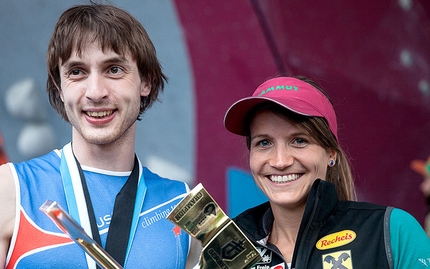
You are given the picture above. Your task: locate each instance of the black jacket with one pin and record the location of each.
(333, 234)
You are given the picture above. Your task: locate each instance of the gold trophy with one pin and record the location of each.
(224, 244)
(70, 227)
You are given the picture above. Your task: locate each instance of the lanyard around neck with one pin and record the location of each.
(127, 207)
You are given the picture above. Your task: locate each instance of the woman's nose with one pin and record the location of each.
(281, 158)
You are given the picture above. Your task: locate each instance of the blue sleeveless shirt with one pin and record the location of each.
(38, 243)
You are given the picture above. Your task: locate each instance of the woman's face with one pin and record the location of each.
(284, 160)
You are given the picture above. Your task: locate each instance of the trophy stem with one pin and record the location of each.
(70, 227)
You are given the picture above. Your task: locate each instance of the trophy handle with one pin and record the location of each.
(70, 227)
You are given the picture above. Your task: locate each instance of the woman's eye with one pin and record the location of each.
(300, 141)
(264, 143)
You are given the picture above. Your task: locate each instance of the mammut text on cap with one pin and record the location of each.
(292, 93)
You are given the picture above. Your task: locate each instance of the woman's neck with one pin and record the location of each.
(285, 228)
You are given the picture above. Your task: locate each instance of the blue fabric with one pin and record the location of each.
(404, 228)
(156, 244)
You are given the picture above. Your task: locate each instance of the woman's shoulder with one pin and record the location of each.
(403, 222)
(409, 243)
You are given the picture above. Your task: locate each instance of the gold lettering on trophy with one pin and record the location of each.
(188, 206)
(250, 256)
(214, 255)
(194, 225)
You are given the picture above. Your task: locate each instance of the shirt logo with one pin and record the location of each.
(337, 260)
(336, 239)
(266, 255)
(176, 230)
(266, 261)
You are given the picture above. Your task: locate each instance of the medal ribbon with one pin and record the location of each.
(127, 207)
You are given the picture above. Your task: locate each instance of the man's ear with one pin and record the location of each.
(145, 88)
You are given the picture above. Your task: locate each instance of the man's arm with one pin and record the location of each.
(7, 211)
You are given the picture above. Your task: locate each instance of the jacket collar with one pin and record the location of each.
(257, 222)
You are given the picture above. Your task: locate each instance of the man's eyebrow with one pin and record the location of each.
(112, 60)
(116, 59)
(70, 64)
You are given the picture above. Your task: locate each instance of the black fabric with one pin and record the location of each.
(122, 216)
(324, 214)
(119, 229)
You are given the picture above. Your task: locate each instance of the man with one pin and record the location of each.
(103, 73)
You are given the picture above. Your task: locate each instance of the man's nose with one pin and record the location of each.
(96, 87)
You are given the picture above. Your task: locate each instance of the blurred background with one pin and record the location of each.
(371, 57)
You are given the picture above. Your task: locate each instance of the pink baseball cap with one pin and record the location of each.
(292, 93)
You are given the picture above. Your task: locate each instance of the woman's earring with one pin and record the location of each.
(331, 163)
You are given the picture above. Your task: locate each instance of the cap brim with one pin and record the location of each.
(234, 119)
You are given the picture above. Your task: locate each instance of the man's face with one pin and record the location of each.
(101, 92)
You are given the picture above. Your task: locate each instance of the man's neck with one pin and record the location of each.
(114, 157)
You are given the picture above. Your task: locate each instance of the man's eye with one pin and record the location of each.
(75, 72)
(115, 70)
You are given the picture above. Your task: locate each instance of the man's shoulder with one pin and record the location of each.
(50, 159)
(6, 176)
(37, 171)
(154, 180)
(7, 209)
(162, 191)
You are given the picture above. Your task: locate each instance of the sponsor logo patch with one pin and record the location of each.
(278, 266)
(337, 260)
(266, 260)
(266, 255)
(336, 240)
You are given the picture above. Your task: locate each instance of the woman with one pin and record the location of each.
(311, 219)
